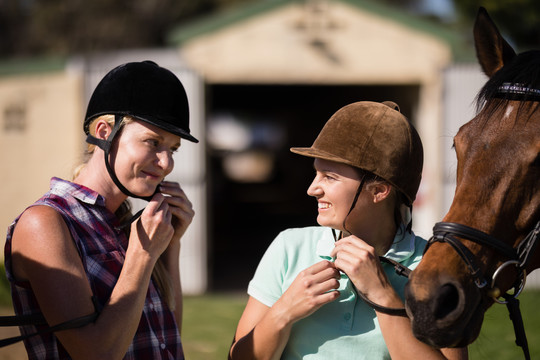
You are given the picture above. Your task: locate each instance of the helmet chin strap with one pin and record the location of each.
(106, 145)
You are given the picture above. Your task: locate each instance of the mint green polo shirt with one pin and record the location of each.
(346, 328)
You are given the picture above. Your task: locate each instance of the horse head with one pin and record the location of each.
(472, 258)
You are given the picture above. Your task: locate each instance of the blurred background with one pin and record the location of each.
(261, 76)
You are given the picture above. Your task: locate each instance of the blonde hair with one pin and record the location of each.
(160, 275)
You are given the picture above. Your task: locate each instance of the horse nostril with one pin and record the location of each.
(446, 302)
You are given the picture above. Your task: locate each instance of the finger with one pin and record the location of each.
(328, 296)
(171, 188)
(325, 286)
(154, 204)
(320, 266)
(180, 202)
(351, 244)
(327, 274)
(183, 217)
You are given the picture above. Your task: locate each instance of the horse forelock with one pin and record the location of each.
(524, 69)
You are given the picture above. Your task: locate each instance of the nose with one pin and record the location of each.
(437, 310)
(447, 304)
(165, 161)
(314, 189)
(438, 303)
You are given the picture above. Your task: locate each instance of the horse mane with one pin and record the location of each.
(524, 69)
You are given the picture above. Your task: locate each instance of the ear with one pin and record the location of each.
(103, 129)
(379, 190)
(492, 50)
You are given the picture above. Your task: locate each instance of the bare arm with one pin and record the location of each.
(183, 213)
(264, 331)
(44, 254)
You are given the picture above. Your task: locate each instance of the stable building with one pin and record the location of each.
(260, 78)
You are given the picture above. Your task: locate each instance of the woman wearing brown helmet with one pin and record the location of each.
(73, 258)
(322, 292)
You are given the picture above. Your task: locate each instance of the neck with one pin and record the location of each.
(95, 176)
(378, 229)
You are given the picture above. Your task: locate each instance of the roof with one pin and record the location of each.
(33, 65)
(461, 51)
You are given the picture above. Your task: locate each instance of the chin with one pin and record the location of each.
(144, 191)
(329, 224)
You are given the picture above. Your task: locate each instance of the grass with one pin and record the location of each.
(497, 339)
(210, 322)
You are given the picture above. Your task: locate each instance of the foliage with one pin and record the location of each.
(5, 293)
(517, 20)
(62, 27)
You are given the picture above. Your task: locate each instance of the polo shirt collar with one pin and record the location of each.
(402, 247)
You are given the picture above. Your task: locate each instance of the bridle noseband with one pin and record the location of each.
(451, 233)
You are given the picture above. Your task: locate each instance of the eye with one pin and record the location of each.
(152, 142)
(330, 177)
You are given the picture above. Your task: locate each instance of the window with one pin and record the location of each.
(15, 118)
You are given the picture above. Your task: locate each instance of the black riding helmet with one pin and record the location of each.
(144, 91)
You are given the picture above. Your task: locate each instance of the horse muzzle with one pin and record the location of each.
(441, 313)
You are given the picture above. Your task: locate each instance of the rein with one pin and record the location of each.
(39, 319)
(447, 232)
(401, 270)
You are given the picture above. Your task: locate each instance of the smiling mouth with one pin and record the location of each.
(157, 176)
(322, 205)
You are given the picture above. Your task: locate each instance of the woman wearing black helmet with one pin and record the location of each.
(76, 258)
(330, 291)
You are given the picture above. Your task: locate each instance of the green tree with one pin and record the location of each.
(33, 27)
(518, 20)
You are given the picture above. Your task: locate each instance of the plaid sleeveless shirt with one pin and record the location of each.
(102, 251)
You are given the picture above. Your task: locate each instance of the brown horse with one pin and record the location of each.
(476, 254)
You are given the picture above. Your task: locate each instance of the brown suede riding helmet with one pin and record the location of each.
(374, 137)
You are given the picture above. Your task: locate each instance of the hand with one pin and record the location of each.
(311, 289)
(180, 207)
(153, 231)
(359, 261)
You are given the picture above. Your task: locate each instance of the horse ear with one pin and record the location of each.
(492, 50)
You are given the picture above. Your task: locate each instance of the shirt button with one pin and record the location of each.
(162, 346)
(347, 316)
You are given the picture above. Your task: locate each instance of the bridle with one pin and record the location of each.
(451, 233)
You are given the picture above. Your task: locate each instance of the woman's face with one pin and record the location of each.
(334, 187)
(143, 156)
